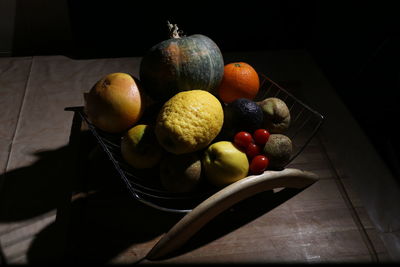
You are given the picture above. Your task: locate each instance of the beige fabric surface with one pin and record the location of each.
(34, 131)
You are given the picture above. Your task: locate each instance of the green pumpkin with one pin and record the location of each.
(181, 64)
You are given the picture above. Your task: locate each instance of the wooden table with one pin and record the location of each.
(61, 200)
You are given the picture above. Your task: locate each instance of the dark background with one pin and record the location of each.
(354, 43)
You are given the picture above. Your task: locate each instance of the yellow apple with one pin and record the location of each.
(224, 164)
(140, 148)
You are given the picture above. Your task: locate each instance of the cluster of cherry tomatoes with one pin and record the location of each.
(252, 145)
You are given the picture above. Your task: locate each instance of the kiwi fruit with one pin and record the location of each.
(278, 150)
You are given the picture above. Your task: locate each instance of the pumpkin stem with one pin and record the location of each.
(173, 30)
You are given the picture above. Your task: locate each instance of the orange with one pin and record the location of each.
(240, 80)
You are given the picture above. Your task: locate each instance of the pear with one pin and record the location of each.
(276, 115)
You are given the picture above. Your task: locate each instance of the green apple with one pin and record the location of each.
(140, 148)
(181, 173)
(224, 164)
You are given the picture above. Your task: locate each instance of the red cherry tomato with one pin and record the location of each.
(243, 140)
(258, 164)
(253, 150)
(261, 136)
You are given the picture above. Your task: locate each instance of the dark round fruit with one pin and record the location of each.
(278, 150)
(243, 115)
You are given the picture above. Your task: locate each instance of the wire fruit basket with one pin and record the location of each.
(145, 186)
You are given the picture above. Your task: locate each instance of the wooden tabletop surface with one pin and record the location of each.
(62, 201)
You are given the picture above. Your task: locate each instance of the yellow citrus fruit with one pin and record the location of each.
(189, 121)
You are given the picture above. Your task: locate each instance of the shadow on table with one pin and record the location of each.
(237, 216)
(92, 227)
(101, 228)
(102, 220)
(33, 190)
(30, 193)
(107, 222)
